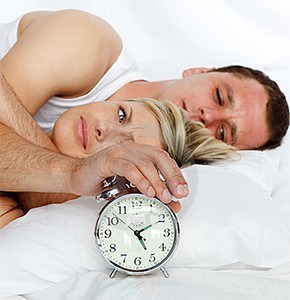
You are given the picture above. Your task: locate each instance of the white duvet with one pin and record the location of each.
(235, 224)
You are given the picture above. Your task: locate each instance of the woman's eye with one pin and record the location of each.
(222, 133)
(122, 114)
(219, 98)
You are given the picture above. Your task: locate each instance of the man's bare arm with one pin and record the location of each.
(15, 116)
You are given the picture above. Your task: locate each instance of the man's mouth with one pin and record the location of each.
(183, 105)
(192, 115)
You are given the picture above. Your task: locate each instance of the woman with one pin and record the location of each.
(85, 130)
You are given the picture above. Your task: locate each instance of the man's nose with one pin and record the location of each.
(209, 116)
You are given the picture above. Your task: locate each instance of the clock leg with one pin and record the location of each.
(165, 273)
(113, 273)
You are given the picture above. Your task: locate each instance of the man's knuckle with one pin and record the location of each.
(144, 163)
(163, 154)
(174, 179)
(159, 185)
(141, 180)
(130, 168)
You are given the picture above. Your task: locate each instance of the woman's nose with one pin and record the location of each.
(104, 131)
(101, 131)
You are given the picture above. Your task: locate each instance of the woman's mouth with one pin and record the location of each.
(83, 132)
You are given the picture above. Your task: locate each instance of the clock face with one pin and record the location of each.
(137, 234)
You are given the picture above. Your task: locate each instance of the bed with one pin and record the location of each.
(235, 223)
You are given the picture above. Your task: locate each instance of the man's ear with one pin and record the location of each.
(195, 71)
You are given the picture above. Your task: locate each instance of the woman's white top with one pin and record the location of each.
(123, 71)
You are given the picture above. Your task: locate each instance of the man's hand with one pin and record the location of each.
(138, 163)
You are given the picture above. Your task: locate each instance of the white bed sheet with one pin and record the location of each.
(198, 33)
(183, 283)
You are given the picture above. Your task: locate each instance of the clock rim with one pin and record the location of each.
(143, 271)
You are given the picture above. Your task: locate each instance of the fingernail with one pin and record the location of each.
(182, 189)
(150, 192)
(186, 190)
(167, 197)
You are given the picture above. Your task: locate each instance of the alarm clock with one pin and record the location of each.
(136, 234)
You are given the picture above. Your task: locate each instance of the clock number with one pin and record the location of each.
(108, 233)
(122, 210)
(113, 221)
(137, 261)
(152, 257)
(124, 257)
(162, 247)
(166, 232)
(161, 218)
(113, 248)
(137, 204)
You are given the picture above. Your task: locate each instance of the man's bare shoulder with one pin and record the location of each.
(78, 34)
(71, 20)
(62, 53)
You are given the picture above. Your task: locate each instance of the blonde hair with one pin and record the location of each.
(187, 142)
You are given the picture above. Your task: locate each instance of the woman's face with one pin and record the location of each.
(84, 130)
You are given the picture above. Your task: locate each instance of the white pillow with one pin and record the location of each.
(259, 166)
(228, 219)
(281, 189)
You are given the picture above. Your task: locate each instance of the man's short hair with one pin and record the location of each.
(277, 108)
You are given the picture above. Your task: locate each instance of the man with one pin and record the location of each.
(73, 58)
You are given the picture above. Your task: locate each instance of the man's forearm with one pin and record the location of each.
(27, 167)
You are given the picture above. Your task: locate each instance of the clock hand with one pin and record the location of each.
(123, 222)
(148, 226)
(145, 228)
(140, 238)
(142, 243)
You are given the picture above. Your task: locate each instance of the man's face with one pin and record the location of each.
(232, 107)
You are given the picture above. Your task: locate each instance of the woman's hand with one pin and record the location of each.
(139, 164)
